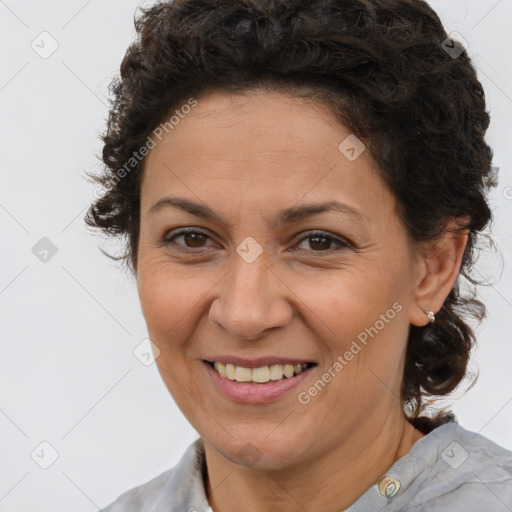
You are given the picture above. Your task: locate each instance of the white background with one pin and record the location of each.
(69, 326)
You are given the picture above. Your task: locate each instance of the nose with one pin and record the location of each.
(252, 300)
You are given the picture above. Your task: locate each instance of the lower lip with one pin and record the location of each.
(248, 393)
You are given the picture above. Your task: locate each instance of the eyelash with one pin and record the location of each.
(343, 244)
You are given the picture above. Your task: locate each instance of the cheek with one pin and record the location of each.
(359, 316)
(171, 307)
(363, 333)
(345, 304)
(167, 300)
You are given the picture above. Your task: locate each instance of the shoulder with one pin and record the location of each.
(464, 469)
(463, 451)
(449, 469)
(177, 489)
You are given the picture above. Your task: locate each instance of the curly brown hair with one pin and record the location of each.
(382, 68)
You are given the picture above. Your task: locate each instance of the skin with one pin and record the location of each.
(248, 157)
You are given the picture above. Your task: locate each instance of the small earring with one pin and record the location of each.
(431, 316)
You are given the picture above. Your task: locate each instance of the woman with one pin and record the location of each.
(301, 184)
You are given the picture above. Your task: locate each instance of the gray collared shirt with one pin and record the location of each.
(450, 469)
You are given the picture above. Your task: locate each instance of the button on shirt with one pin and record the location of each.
(450, 469)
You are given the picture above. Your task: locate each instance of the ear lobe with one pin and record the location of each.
(440, 267)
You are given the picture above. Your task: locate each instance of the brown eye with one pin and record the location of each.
(192, 239)
(322, 242)
(319, 242)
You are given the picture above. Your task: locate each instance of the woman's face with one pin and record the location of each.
(266, 281)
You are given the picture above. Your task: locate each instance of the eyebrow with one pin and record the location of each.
(286, 216)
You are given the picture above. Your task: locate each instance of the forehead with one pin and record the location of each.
(255, 124)
(261, 145)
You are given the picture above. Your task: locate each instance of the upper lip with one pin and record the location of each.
(256, 362)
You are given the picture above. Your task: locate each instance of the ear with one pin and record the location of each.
(438, 268)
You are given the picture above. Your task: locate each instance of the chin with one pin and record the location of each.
(261, 452)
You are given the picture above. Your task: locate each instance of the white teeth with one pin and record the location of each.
(259, 375)
(289, 370)
(230, 371)
(242, 374)
(221, 368)
(276, 372)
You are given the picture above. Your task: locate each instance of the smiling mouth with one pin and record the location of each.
(260, 375)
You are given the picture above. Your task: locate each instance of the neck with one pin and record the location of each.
(332, 481)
